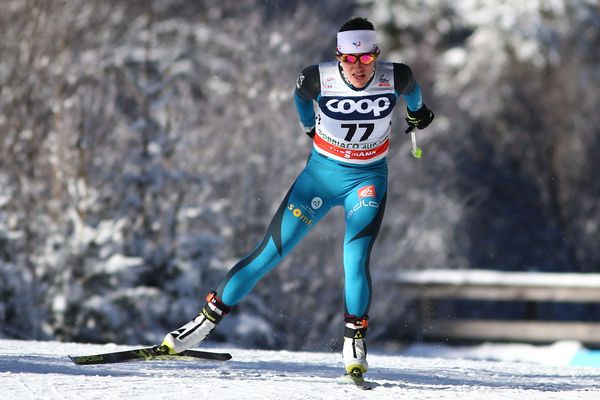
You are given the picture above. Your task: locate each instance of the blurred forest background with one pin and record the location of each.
(145, 145)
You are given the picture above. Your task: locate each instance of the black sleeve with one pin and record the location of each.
(404, 83)
(309, 83)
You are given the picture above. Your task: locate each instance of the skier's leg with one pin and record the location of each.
(364, 209)
(364, 212)
(299, 211)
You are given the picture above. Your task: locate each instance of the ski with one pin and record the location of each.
(356, 377)
(146, 354)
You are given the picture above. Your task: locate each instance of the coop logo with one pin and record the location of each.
(347, 108)
(296, 212)
(363, 106)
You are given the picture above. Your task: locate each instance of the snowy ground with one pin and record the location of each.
(41, 370)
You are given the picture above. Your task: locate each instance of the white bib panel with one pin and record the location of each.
(354, 126)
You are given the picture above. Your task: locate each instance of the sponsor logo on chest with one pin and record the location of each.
(357, 108)
(383, 81)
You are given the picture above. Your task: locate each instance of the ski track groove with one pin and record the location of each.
(31, 394)
(36, 389)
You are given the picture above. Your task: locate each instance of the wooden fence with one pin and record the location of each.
(427, 286)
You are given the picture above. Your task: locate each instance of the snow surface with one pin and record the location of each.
(41, 370)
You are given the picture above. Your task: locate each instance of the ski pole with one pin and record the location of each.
(416, 150)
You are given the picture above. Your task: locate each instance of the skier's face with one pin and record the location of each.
(358, 68)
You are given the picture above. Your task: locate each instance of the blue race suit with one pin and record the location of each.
(347, 167)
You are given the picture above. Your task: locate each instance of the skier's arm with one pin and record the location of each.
(308, 88)
(417, 113)
(406, 86)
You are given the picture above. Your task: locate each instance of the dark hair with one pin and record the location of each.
(357, 24)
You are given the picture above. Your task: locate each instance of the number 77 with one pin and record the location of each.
(352, 130)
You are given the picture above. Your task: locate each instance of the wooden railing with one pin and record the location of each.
(428, 286)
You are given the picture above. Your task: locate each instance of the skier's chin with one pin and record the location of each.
(359, 80)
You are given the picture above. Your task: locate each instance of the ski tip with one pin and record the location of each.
(76, 360)
(87, 360)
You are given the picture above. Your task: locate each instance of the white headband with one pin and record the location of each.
(356, 42)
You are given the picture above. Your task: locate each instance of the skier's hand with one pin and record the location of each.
(419, 119)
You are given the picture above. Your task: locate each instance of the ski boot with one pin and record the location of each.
(355, 346)
(195, 331)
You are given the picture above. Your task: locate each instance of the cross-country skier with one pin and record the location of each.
(350, 131)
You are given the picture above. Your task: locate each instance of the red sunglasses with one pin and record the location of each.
(365, 59)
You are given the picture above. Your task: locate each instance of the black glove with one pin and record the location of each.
(419, 119)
